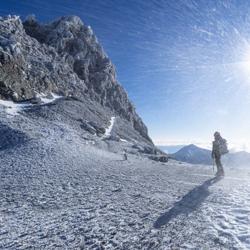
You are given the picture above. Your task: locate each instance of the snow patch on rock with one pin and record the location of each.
(45, 99)
(109, 129)
(123, 140)
(13, 108)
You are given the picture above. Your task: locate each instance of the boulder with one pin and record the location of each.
(159, 158)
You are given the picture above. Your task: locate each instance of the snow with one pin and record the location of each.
(123, 140)
(109, 129)
(59, 192)
(11, 17)
(45, 99)
(13, 108)
(232, 214)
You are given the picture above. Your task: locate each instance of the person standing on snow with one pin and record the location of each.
(219, 149)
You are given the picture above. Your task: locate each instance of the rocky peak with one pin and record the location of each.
(63, 57)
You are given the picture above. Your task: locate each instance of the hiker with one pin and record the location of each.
(125, 156)
(219, 149)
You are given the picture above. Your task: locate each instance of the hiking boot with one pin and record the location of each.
(220, 173)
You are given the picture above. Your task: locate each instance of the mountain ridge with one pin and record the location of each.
(61, 57)
(193, 154)
(196, 155)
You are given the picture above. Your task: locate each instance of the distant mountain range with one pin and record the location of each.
(196, 155)
(171, 149)
(193, 154)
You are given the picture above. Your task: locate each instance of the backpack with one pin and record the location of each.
(223, 146)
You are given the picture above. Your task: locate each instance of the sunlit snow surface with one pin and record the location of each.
(58, 191)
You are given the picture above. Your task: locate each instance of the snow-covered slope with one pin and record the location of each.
(62, 188)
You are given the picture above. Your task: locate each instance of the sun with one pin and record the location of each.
(246, 67)
(245, 64)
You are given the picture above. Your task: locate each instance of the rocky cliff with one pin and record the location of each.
(62, 57)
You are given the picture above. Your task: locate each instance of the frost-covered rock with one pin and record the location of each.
(160, 158)
(63, 57)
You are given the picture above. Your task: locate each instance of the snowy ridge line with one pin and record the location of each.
(13, 108)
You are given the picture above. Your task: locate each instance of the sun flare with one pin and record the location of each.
(245, 64)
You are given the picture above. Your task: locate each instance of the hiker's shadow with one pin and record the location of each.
(190, 202)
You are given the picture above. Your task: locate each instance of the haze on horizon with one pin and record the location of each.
(184, 64)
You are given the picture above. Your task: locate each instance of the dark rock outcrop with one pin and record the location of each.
(63, 57)
(160, 158)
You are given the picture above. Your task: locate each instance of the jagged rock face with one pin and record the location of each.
(63, 57)
(28, 66)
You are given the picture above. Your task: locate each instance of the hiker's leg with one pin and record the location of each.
(219, 165)
(217, 162)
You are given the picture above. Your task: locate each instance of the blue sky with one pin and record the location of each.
(184, 64)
